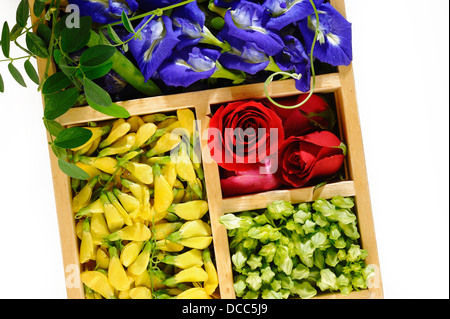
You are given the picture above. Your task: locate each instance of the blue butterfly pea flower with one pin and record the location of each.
(334, 44)
(190, 21)
(157, 44)
(285, 12)
(244, 56)
(105, 11)
(293, 57)
(247, 22)
(188, 66)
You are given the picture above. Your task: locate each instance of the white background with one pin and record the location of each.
(401, 61)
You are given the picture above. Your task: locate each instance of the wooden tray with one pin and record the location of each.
(341, 84)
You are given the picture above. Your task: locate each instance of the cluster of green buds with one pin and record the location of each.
(285, 251)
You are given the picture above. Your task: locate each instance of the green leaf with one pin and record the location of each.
(16, 74)
(114, 110)
(22, 13)
(72, 170)
(2, 85)
(5, 40)
(97, 55)
(36, 45)
(127, 23)
(53, 127)
(59, 103)
(57, 54)
(16, 31)
(95, 72)
(96, 94)
(67, 69)
(113, 35)
(59, 152)
(60, 25)
(73, 137)
(31, 71)
(45, 33)
(38, 8)
(55, 83)
(73, 39)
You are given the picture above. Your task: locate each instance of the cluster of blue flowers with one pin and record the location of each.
(270, 35)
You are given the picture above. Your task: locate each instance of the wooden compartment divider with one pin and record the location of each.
(341, 84)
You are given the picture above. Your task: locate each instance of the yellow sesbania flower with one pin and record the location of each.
(194, 293)
(87, 244)
(163, 191)
(98, 282)
(116, 273)
(82, 199)
(130, 252)
(141, 262)
(185, 260)
(212, 282)
(190, 210)
(114, 219)
(118, 130)
(193, 274)
(135, 232)
(140, 293)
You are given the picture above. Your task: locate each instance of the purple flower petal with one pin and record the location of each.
(334, 44)
(189, 20)
(188, 66)
(105, 11)
(294, 57)
(157, 44)
(244, 56)
(285, 12)
(247, 22)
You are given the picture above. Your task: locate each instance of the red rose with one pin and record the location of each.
(243, 134)
(252, 181)
(304, 158)
(294, 120)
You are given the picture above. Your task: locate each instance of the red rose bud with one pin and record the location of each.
(261, 179)
(243, 134)
(305, 158)
(296, 122)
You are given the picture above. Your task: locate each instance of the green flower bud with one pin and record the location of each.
(304, 290)
(300, 272)
(280, 209)
(239, 285)
(254, 280)
(342, 202)
(254, 262)
(268, 251)
(270, 294)
(267, 275)
(327, 281)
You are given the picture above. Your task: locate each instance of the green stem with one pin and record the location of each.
(154, 12)
(51, 45)
(298, 76)
(137, 32)
(22, 48)
(20, 58)
(272, 66)
(209, 38)
(223, 73)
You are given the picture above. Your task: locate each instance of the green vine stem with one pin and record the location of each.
(294, 75)
(157, 12)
